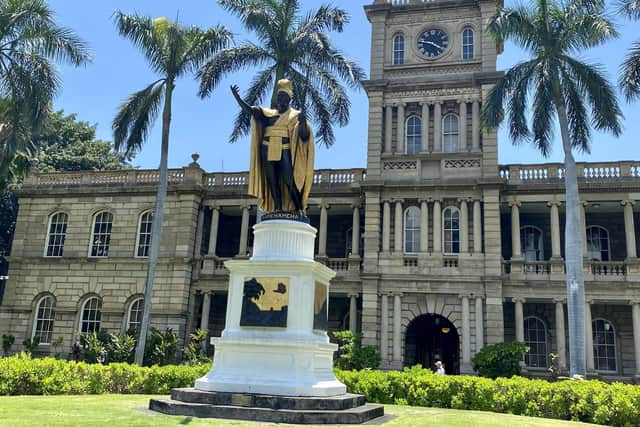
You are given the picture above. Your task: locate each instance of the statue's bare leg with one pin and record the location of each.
(270, 169)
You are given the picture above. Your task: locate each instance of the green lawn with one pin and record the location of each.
(127, 410)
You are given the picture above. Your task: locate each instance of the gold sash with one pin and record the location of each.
(276, 132)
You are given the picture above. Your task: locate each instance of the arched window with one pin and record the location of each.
(101, 234)
(91, 314)
(532, 248)
(56, 233)
(412, 230)
(413, 135)
(604, 345)
(450, 133)
(535, 335)
(398, 50)
(134, 317)
(598, 243)
(43, 322)
(143, 242)
(451, 230)
(467, 43)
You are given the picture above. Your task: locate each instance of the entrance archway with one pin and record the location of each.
(430, 338)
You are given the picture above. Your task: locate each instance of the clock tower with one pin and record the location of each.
(432, 194)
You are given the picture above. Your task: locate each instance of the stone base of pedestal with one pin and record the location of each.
(343, 409)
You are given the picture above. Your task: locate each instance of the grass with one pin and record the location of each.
(126, 410)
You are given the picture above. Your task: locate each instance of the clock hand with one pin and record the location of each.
(435, 44)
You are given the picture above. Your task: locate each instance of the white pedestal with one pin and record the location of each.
(291, 360)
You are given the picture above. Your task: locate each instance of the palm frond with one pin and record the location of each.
(229, 61)
(630, 8)
(325, 18)
(254, 16)
(629, 80)
(516, 24)
(135, 117)
(605, 111)
(585, 25)
(577, 116)
(140, 30)
(203, 45)
(543, 111)
(320, 113)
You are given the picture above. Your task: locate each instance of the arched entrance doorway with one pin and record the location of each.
(430, 338)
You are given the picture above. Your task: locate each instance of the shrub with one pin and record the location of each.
(160, 348)
(7, 342)
(196, 352)
(351, 354)
(500, 360)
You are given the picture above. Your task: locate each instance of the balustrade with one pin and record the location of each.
(590, 172)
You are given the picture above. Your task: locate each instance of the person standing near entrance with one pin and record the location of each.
(439, 368)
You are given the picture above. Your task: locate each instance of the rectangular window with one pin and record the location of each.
(57, 234)
(398, 50)
(101, 236)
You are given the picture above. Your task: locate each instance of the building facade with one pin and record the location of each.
(438, 249)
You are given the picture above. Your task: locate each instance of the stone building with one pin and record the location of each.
(438, 249)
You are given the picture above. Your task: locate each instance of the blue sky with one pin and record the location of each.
(95, 91)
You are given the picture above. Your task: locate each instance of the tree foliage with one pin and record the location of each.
(292, 45)
(630, 69)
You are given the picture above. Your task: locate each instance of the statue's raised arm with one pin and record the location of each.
(282, 151)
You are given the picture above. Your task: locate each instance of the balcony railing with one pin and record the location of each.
(589, 172)
(593, 269)
(607, 268)
(406, 2)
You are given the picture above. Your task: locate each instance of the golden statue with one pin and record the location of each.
(282, 149)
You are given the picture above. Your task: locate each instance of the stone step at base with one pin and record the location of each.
(335, 403)
(357, 415)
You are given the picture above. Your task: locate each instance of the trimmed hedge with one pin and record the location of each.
(23, 375)
(589, 401)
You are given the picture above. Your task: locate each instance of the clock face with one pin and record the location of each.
(432, 43)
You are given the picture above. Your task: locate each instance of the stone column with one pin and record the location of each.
(479, 324)
(588, 342)
(398, 229)
(388, 128)
(397, 319)
(555, 230)
(213, 237)
(384, 328)
(560, 334)
(322, 233)
(197, 250)
(386, 226)
(244, 231)
(206, 306)
(635, 312)
(475, 126)
(629, 228)
(519, 319)
(425, 127)
(400, 130)
(424, 226)
(437, 127)
(466, 335)
(583, 225)
(437, 227)
(463, 125)
(477, 227)
(464, 227)
(355, 231)
(353, 312)
(516, 249)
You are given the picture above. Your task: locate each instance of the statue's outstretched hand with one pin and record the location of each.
(235, 90)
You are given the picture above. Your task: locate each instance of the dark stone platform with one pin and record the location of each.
(343, 409)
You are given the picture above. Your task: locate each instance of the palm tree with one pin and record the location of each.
(557, 83)
(630, 69)
(172, 51)
(30, 45)
(294, 46)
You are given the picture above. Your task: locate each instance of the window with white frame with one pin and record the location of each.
(450, 133)
(598, 243)
(413, 135)
(144, 234)
(451, 230)
(101, 234)
(532, 248)
(412, 230)
(535, 336)
(91, 314)
(56, 234)
(43, 322)
(467, 43)
(604, 345)
(398, 50)
(134, 317)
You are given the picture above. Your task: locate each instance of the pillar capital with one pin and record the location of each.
(628, 202)
(515, 203)
(634, 302)
(356, 205)
(554, 203)
(465, 296)
(398, 200)
(521, 300)
(324, 205)
(559, 300)
(353, 294)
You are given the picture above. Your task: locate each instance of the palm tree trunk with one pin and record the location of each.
(573, 251)
(156, 230)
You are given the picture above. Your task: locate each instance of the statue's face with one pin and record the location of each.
(282, 102)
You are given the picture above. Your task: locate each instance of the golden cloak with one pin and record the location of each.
(301, 156)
